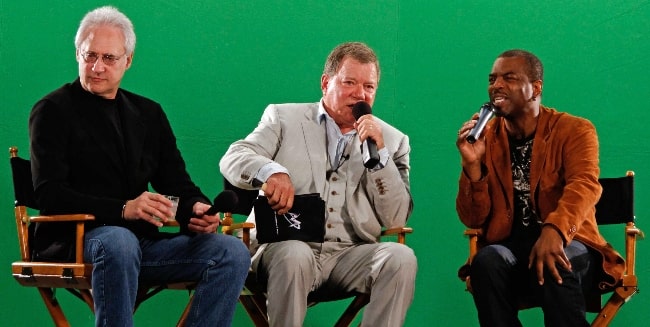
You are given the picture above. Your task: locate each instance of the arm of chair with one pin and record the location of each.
(399, 231)
(463, 273)
(79, 219)
(473, 234)
(229, 227)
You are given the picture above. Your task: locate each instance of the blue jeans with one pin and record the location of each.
(121, 262)
(501, 281)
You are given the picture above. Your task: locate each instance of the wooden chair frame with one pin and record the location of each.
(74, 277)
(627, 286)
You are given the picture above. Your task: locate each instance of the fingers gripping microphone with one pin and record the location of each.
(486, 113)
(369, 147)
(226, 201)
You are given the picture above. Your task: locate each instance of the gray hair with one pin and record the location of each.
(107, 16)
(357, 50)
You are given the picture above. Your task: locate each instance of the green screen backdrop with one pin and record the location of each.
(214, 65)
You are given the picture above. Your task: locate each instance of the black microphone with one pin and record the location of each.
(369, 146)
(226, 201)
(486, 113)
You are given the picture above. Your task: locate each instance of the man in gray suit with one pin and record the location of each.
(315, 148)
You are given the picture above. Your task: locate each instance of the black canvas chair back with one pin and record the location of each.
(616, 205)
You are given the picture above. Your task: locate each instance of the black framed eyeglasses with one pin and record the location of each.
(108, 59)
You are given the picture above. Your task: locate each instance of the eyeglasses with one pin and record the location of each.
(108, 59)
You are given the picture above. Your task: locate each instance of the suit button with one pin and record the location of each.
(330, 209)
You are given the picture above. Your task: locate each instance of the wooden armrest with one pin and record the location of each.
(473, 232)
(61, 218)
(79, 219)
(399, 231)
(473, 235)
(230, 227)
(396, 231)
(244, 225)
(171, 223)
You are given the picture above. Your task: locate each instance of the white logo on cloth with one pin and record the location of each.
(291, 218)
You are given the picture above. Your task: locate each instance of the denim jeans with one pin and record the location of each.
(121, 262)
(501, 280)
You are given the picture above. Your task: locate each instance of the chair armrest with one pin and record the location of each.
(473, 234)
(79, 219)
(171, 223)
(399, 231)
(61, 218)
(228, 227)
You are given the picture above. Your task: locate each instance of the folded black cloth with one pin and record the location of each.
(304, 222)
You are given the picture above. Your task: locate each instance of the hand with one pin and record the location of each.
(367, 127)
(279, 191)
(471, 154)
(146, 206)
(548, 252)
(203, 224)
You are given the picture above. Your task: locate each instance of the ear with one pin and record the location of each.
(537, 88)
(129, 60)
(324, 82)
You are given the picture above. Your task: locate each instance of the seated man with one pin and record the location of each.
(530, 181)
(315, 148)
(96, 148)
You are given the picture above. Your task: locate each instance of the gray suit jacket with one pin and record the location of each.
(291, 135)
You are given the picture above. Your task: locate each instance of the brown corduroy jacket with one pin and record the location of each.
(564, 186)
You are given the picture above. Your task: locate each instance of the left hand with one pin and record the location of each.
(204, 224)
(367, 127)
(548, 252)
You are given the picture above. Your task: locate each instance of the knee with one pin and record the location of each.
(227, 250)
(400, 259)
(113, 243)
(292, 256)
(491, 257)
(239, 254)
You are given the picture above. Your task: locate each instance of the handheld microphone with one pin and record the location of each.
(226, 201)
(369, 147)
(486, 113)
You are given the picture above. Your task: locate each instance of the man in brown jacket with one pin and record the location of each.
(530, 181)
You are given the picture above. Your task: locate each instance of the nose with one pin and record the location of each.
(99, 65)
(498, 82)
(359, 92)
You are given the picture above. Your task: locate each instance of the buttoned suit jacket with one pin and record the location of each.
(564, 185)
(291, 135)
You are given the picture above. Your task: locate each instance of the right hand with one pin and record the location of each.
(279, 191)
(146, 206)
(471, 154)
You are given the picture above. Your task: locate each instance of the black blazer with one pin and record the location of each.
(81, 165)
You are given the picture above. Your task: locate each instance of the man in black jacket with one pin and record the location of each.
(96, 148)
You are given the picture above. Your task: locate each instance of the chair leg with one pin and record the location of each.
(352, 310)
(183, 319)
(88, 298)
(619, 297)
(53, 307)
(255, 306)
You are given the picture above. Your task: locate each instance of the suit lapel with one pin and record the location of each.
(538, 158)
(316, 145)
(355, 168)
